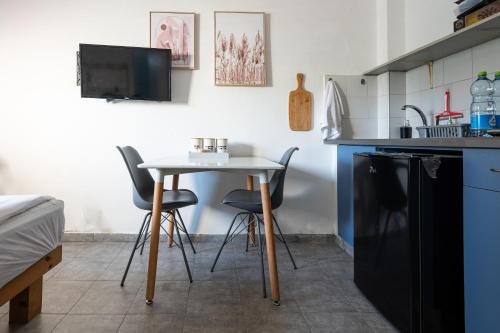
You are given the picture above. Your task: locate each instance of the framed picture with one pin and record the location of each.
(175, 31)
(239, 49)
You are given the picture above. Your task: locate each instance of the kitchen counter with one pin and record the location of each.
(493, 143)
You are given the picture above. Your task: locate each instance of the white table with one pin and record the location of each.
(250, 166)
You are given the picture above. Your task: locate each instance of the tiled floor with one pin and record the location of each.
(83, 293)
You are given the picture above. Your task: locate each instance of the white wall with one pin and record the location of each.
(396, 21)
(403, 26)
(427, 20)
(54, 142)
(390, 29)
(382, 31)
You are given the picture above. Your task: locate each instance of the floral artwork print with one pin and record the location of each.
(239, 49)
(174, 31)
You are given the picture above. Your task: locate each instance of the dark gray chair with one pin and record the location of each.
(143, 193)
(251, 204)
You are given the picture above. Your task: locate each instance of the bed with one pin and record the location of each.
(31, 230)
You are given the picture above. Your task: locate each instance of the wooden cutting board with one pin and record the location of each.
(300, 107)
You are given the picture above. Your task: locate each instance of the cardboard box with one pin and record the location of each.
(477, 16)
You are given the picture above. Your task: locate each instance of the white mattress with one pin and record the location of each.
(28, 236)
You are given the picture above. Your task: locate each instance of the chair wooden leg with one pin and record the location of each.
(171, 218)
(27, 304)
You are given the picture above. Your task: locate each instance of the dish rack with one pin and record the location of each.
(444, 131)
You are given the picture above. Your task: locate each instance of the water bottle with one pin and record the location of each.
(482, 109)
(496, 97)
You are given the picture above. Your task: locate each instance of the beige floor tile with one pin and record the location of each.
(89, 324)
(152, 323)
(61, 296)
(107, 297)
(40, 324)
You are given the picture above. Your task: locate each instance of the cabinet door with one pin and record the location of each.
(481, 260)
(482, 168)
(345, 191)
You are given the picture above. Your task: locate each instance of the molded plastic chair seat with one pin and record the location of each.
(171, 200)
(244, 199)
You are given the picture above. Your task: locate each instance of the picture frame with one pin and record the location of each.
(175, 31)
(240, 49)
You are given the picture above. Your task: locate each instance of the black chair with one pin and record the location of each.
(143, 193)
(251, 204)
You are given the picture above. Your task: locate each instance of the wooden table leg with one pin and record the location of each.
(155, 239)
(251, 224)
(270, 246)
(170, 226)
(27, 304)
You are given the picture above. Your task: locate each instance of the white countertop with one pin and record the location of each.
(233, 163)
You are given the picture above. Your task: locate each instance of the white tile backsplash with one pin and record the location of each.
(455, 73)
(394, 125)
(360, 128)
(375, 108)
(383, 106)
(427, 101)
(437, 96)
(383, 84)
(413, 81)
(414, 98)
(383, 128)
(361, 107)
(424, 77)
(397, 83)
(460, 97)
(361, 113)
(371, 81)
(457, 67)
(486, 57)
(438, 73)
(355, 88)
(395, 104)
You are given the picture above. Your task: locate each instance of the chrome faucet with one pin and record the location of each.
(421, 114)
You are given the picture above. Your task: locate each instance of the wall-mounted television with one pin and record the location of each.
(120, 72)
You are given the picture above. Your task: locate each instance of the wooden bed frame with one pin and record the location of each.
(25, 290)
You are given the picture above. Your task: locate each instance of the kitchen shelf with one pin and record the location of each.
(466, 38)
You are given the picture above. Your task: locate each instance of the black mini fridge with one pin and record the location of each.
(408, 238)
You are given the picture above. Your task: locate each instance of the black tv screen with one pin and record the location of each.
(119, 72)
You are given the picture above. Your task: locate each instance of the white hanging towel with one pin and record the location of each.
(333, 110)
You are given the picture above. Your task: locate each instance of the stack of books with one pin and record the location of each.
(473, 11)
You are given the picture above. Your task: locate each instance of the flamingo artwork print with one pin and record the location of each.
(174, 31)
(239, 49)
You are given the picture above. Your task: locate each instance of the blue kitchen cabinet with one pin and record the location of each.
(482, 168)
(481, 240)
(345, 188)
